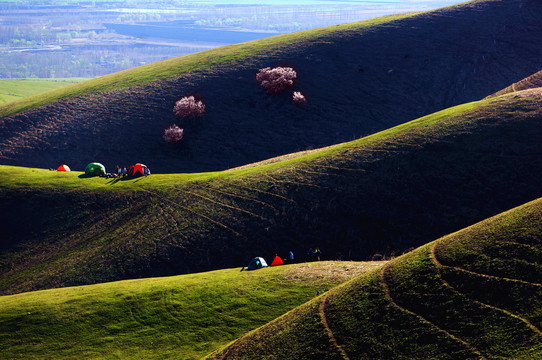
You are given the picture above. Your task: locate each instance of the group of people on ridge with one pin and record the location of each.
(313, 254)
(119, 173)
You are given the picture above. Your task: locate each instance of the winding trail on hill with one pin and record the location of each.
(322, 312)
(224, 205)
(190, 210)
(447, 284)
(388, 297)
(440, 265)
(277, 181)
(237, 185)
(246, 198)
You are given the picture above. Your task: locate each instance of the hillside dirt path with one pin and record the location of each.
(388, 297)
(322, 312)
(218, 203)
(237, 196)
(441, 266)
(191, 211)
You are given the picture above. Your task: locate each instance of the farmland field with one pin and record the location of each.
(16, 89)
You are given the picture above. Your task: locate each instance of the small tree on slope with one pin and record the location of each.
(173, 133)
(276, 80)
(189, 106)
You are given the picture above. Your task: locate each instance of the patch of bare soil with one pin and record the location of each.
(331, 270)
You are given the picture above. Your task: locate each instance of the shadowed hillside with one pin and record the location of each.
(475, 294)
(384, 193)
(359, 79)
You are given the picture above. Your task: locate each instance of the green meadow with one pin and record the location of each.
(182, 317)
(417, 171)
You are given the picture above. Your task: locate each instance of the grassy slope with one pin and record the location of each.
(11, 90)
(360, 78)
(181, 317)
(475, 293)
(389, 191)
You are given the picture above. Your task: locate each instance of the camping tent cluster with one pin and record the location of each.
(97, 169)
(259, 262)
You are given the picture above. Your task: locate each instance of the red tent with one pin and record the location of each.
(63, 167)
(138, 170)
(277, 261)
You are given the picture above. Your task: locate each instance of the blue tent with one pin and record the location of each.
(257, 263)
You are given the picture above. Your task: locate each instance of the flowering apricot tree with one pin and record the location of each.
(276, 80)
(299, 98)
(189, 106)
(173, 133)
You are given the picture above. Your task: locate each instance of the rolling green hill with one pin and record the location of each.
(181, 317)
(359, 78)
(474, 294)
(297, 180)
(384, 193)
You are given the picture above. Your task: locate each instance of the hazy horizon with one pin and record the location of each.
(87, 39)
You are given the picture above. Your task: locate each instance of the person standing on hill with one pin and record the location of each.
(310, 254)
(291, 257)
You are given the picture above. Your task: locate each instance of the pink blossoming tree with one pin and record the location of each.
(299, 98)
(276, 80)
(173, 133)
(189, 106)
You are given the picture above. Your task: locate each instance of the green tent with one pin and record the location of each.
(94, 169)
